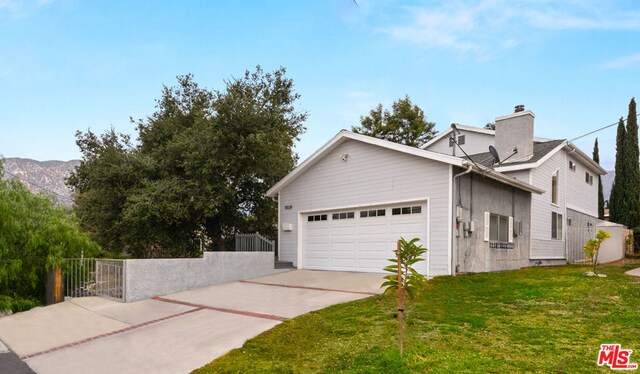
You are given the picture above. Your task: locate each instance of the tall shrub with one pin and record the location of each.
(617, 205)
(35, 235)
(596, 158)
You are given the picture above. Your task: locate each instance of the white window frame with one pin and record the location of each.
(555, 192)
(487, 227)
(558, 217)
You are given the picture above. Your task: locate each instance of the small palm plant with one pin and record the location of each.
(404, 279)
(592, 247)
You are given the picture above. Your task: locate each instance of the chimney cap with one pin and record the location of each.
(519, 108)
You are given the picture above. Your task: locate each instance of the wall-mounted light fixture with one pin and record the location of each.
(344, 157)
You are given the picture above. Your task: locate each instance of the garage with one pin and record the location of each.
(363, 238)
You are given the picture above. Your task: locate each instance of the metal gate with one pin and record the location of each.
(94, 277)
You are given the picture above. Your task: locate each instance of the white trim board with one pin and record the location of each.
(343, 207)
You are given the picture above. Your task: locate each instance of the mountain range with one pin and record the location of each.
(49, 176)
(42, 176)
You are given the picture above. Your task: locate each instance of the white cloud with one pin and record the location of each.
(487, 26)
(623, 62)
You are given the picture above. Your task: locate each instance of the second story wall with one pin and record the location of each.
(474, 142)
(582, 193)
(543, 245)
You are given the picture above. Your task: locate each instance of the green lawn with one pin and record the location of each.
(531, 320)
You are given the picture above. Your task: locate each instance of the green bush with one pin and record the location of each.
(35, 235)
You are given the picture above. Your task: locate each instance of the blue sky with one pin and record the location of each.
(69, 65)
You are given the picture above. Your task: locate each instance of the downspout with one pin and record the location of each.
(453, 186)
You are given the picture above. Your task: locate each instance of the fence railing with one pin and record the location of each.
(110, 279)
(94, 277)
(254, 243)
(79, 277)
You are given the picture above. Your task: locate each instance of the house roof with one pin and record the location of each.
(479, 130)
(540, 149)
(543, 149)
(345, 135)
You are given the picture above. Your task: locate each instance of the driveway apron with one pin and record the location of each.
(175, 333)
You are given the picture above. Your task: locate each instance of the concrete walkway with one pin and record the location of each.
(634, 272)
(174, 333)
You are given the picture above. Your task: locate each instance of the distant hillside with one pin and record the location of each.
(42, 176)
(607, 183)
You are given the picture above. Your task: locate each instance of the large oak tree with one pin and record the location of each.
(200, 168)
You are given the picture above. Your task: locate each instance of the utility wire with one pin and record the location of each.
(36, 185)
(600, 129)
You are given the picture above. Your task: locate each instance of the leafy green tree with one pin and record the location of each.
(617, 204)
(592, 247)
(490, 126)
(202, 165)
(596, 158)
(35, 236)
(108, 170)
(404, 124)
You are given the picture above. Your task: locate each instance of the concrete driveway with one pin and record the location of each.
(174, 333)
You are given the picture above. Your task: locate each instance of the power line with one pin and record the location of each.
(600, 129)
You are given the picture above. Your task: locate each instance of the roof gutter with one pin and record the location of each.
(497, 176)
(588, 159)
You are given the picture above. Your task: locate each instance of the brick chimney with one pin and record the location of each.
(515, 131)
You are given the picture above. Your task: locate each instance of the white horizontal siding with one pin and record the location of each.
(542, 245)
(521, 175)
(473, 143)
(580, 194)
(371, 175)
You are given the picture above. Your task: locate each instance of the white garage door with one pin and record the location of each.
(361, 239)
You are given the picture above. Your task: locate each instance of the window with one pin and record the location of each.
(461, 140)
(556, 225)
(588, 178)
(406, 210)
(317, 217)
(373, 213)
(572, 166)
(499, 228)
(554, 188)
(343, 215)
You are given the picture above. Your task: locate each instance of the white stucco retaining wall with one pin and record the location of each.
(147, 278)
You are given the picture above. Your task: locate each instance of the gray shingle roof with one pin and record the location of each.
(540, 149)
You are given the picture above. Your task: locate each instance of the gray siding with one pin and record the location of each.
(371, 175)
(474, 143)
(542, 246)
(581, 195)
(479, 195)
(521, 175)
(580, 228)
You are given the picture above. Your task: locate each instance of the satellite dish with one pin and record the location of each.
(455, 128)
(494, 153)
